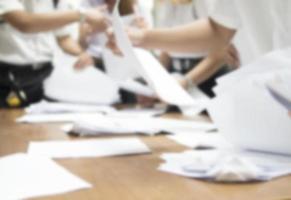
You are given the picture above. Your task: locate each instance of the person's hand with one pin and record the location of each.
(290, 113)
(146, 102)
(84, 60)
(135, 35)
(183, 82)
(232, 57)
(139, 22)
(97, 19)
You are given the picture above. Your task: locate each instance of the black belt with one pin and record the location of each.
(24, 80)
(24, 74)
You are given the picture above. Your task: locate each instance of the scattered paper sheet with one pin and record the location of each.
(200, 139)
(129, 125)
(225, 166)
(151, 70)
(25, 176)
(45, 107)
(89, 86)
(118, 67)
(88, 148)
(138, 112)
(56, 118)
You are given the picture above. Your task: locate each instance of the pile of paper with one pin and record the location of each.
(125, 125)
(24, 176)
(244, 111)
(226, 165)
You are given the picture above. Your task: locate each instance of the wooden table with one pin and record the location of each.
(132, 177)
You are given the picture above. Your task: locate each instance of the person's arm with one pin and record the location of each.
(41, 22)
(70, 46)
(165, 59)
(204, 70)
(200, 36)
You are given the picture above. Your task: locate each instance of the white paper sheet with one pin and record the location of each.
(89, 86)
(88, 148)
(45, 107)
(24, 176)
(226, 166)
(272, 62)
(247, 116)
(126, 125)
(56, 118)
(280, 89)
(138, 112)
(200, 139)
(149, 68)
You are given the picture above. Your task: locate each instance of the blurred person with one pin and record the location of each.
(194, 68)
(266, 24)
(26, 51)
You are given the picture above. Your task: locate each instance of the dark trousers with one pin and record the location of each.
(27, 82)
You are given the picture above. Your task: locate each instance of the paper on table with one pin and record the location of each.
(200, 139)
(138, 112)
(45, 107)
(89, 86)
(126, 125)
(88, 148)
(25, 176)
(136, 88)
(55, 118)
(151, 70)
(225, 166)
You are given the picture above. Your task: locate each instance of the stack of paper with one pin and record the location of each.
(25, 176)
(226, 166)
(88, 148)
(144, 125)
(245, 112)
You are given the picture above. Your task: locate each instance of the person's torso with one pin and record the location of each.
(263, 25)
(21, 48)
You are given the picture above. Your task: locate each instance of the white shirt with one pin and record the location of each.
(20, 48)
(265, 23)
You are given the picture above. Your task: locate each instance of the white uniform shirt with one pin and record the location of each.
(264, 23)
(20, 48)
